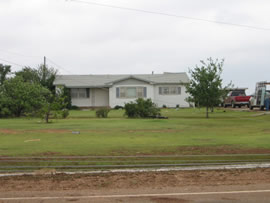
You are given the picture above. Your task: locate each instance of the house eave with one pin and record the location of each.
(130, 77)
(86, 86)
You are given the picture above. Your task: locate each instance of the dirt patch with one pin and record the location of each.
(219, 150)
(50, 131)
(9, 131)
(266, 130)
(117, 181)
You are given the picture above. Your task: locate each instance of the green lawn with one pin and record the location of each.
(185, 132)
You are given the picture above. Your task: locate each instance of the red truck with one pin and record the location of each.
(237, 97)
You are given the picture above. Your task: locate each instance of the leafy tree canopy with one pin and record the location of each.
(28, 75)
(43, 75)
(46, 77)
(19, 97)
(205, 86)
(4, 71)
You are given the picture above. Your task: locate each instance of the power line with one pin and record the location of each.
(170, 15)
(59, 66)
(10, 62)
(18, 54)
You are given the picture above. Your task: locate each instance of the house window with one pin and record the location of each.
(172, 90)
(80, 93)
(131, 92)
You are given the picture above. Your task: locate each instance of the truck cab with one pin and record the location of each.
(237, 97)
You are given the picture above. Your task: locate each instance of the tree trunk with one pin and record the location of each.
(18, 112)
(212, 109)
(207, 116)
(47, 117)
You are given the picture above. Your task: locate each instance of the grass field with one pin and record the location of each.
(185, 132)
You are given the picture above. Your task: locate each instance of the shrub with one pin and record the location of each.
(164, 106)
(177, 106)
(102, 113)
(74, 107)
(141, 108)
(118, 107)
(131, 110)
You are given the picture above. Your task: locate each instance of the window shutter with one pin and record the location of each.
(144, 92)
(160, 90)
(179, 90)
(117, 92)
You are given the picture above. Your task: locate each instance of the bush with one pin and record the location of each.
(118, 107)
(177, 106)
(102, 113)
(74, 107)
(164, 106)
(141, 109)
(131, 110)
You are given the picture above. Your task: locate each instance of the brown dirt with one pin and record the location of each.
(50, 131)
(153, 180)
(220, 150)
(196, 150)
(9, 131)
(266, 130)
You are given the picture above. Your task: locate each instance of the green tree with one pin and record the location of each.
(205, 86)
(46, 77)
(67, 97)
(54, 105)
(18, 97)
(43, 75)
(28, 74)
(4, 71)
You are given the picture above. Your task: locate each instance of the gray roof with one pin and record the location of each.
(109, 80)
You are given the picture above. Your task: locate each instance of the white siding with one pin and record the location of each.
(98, 97)
(81, 102)
(121, 101)
(107, 97)
(170, 100)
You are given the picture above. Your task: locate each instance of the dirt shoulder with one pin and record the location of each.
(153, 180)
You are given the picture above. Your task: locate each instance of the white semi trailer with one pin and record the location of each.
(258, 99)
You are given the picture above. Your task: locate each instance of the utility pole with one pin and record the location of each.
(44, 61)
(44, 69)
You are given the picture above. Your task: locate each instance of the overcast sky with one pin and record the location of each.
(90, 39)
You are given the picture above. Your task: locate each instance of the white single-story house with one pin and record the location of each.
(111, 90)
